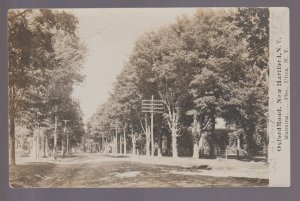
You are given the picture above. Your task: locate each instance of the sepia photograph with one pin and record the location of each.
(148, 97)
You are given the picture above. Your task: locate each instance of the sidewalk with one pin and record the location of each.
(214, 167)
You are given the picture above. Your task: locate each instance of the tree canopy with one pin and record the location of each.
(213, 65)
(45, 61)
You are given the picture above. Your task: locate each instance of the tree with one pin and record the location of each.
(223, 66)
(161, 67)
(254, 23)
(127, 100)
(141, 62)
(255, 28)
(206, 66)
(233, 82)
(33, 59)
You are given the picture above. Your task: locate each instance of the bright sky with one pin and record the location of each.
(110, 35)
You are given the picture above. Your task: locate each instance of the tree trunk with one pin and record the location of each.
(113, 145)
(62, 147)
(12, 115)
(116, 142)
(55, 137)
(116, 145)
(46, 146)
(133, 146)
(34, 153)
(68, 144)
(174, 145)
(33, 147)
(38, 143)
(125, 144)
(159, 144)
(120, 144)
(147, 133)
(84, 147)
(159, 154)
(266, 148)
(195, 136)
(196, 150)
(12, 155)
(212, 136)
(201, 148)
(250, 144)
(102, 142)
(147, 146)
(169, 145)
(173, 126)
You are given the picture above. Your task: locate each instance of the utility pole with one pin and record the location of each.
(120, 144)
(116, 125)
(152, 106)
(65, 129)
(152, 116)
(148, 138)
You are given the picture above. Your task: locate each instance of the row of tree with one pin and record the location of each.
(45, 60)
(211, 65)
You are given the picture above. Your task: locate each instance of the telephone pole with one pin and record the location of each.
(116, 125)
(152, 106)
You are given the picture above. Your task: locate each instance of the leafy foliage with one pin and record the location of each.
(211, 65)
(45, 60)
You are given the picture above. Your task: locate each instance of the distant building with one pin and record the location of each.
(226, 141)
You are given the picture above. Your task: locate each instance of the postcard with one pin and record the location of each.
(149, 97)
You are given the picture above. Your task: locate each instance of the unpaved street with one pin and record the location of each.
(97, 170)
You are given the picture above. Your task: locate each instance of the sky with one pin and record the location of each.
(110, 35)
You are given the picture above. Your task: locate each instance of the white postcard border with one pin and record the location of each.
(279, 98)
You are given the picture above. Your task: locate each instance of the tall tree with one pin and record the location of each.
(33, 57)
(204, 64)
(254, 23)
(223, 65)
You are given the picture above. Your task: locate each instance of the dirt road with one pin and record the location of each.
(93, 171)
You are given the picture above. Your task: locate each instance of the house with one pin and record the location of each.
(226, 141)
